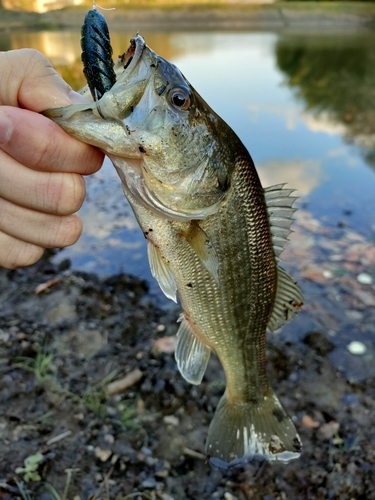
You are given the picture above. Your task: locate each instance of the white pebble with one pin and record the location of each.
(171, 420)
(364, 278)
(327, 273)
(356, 347)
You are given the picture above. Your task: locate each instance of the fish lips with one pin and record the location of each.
(117, 103)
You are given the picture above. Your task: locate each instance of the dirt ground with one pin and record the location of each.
(66, 337)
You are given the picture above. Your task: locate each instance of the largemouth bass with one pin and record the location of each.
(214, 236)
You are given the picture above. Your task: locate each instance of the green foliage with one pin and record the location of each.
(30, 469)
(132, 414)
(41, 366)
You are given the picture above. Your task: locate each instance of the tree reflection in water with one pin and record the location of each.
(335, 77)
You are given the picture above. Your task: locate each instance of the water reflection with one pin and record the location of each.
(334, 77)
(304, 107)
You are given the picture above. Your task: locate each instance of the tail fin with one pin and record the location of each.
(243, 432)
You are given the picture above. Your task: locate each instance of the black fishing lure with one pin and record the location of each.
(97, 54)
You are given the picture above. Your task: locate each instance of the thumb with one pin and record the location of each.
(29, 81)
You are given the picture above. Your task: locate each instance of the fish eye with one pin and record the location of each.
(180, 98)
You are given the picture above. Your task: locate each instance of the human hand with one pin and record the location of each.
(41, 167)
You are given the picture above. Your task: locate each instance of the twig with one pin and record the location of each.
(59, 437)
(124, 383)
(193, 454)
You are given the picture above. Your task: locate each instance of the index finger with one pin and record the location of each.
(35, 141)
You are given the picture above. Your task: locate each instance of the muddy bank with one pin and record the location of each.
(280, 16)
(66, 337)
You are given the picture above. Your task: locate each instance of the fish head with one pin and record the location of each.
(174, 154)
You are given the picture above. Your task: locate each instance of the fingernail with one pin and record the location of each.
(6, 127)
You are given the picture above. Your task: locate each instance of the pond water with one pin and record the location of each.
(304, 105)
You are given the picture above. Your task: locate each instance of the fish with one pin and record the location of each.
(214, 238)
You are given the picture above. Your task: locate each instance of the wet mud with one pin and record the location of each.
(91, 398)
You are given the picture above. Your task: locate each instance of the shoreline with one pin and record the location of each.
(278, 16)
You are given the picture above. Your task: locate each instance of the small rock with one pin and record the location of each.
(108, 438)
(364, 278)
(329, 429)
(229, 496)
(4, 336)
(171, 420)
(149, 483)
(103, 455)
(357, 348)
(146, 451)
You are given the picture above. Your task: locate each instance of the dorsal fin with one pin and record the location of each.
(280, 211)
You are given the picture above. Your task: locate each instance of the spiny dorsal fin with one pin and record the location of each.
(280, 211)
(191, 354)
(288, 302)
(162, 272)
(203, 247)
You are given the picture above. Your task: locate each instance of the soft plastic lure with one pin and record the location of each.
(97, 54)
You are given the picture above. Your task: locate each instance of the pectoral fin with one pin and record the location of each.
(288, 302)
(203, 247)
(191, 354)
(162, 272)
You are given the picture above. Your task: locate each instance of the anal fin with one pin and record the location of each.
(191, 354)
(288, 302)
(162, 272)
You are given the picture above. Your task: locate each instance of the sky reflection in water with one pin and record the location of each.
(304, 107)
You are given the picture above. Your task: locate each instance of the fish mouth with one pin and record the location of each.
(130, 58)
(129, 76)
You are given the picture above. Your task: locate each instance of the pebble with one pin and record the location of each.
(329, 429)
(364, 278)
(171, 420)
(109, 438)
(103, 455)
(4, 336)
(229, 496)
(356, 347)
(149, 483)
